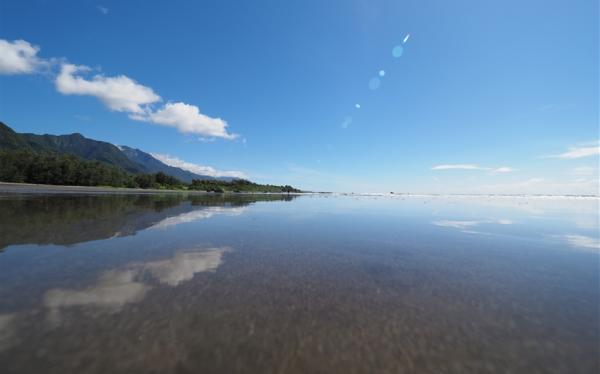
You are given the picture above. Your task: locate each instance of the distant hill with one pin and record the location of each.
(75, 144)
(154, 166)
(129, 159)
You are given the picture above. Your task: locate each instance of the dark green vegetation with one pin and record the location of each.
(73, 144)
(73, 160)
(238, 185)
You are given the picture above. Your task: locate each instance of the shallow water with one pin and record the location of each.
(308, 284)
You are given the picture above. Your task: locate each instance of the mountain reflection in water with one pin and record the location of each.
(67, 220)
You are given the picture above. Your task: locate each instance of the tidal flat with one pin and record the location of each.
(168, 283)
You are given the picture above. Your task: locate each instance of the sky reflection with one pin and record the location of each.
(116, 288)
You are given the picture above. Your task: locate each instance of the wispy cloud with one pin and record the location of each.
(583, 171)
(502, 169)
(19, 57)
(457, 167)
(195, 168)
(585, 150)
(102, 9)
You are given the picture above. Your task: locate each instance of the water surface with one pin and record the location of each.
(308, 284)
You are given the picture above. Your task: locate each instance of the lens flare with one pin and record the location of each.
(397, 51)
(374, 83)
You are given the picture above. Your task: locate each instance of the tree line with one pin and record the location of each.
(25, 166)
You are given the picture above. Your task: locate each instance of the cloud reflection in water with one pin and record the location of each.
(198, 215)
(116, 288)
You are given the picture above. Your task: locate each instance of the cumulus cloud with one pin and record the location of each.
(19, 57)
(187, 119)
(195, 168)
(123, 94)
(120, 93)
(590, 149)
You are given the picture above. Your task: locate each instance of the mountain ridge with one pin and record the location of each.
(130, 159)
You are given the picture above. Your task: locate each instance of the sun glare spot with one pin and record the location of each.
(397, 51)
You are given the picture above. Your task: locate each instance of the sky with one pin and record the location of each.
(352, 96)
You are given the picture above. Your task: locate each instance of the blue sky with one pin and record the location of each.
(487, 96)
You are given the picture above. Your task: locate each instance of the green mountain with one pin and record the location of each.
(75, 160)
(129, 159)
(75, 144)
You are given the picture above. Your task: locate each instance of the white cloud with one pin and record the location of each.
(123, 94)
(504, 169)
(458, 167)
(120, 93)
(579, 152)
(102, 9)
(195, 168)
(187, 119)
(19, 57)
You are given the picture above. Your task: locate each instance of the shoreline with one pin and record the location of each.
(27, 188)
